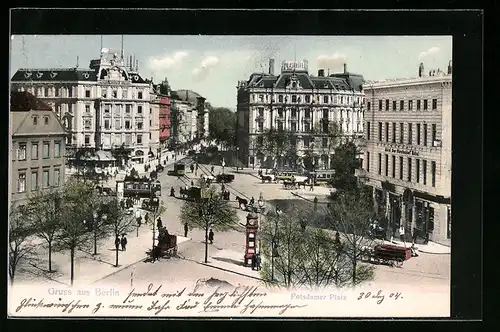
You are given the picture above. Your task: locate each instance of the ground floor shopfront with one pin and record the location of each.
(423, 215)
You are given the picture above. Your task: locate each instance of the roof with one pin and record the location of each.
(53, 74)
(344, 81)
(25, 102)
(186, 95)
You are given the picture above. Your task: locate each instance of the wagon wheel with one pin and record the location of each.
(243, 206)
(175, 250)
(398, 263)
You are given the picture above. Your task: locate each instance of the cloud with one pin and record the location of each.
(331, 61)
(430, 51)
(205, 68)
(166, 61)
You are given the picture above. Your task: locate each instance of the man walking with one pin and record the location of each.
(186, 229)
(124, 243)
(117, 243)
(211, 236)
(159, 224)
(138, 217)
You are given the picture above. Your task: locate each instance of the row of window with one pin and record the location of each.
(63, 92)
(403, 105)
(307, 126)
(421, 169)
(139, 125)
(115, 94)
(128, 139)
(45, 120)
(307, 113)
(36, 181)
(117, 109)
(307, 141)
(35, 150)
(325, 99)
(391, 132)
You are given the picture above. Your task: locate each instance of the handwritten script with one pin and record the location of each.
(155, 300)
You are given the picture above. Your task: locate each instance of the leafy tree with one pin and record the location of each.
(350, 214)
(98, 221)
(345, 162)
(222, 125)
(76, 206)
(121, 154)
(45, 215)
(211, 211)
(19, 231)
(277, 145)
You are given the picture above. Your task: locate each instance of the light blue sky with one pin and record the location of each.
(212, 65)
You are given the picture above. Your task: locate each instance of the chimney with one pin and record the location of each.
(321, 73)
(136, 65)
(271, 66)
(449, 68)
(345, 68)
(421, 70)
(130, 63)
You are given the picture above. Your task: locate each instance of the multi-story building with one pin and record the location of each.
(102, 107)
(37, 148)
(408, 152)
(189, 116)
(161, 100)
(302, 104)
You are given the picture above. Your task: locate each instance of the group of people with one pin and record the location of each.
(123, 242)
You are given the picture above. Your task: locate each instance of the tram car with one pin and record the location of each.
(143, 188)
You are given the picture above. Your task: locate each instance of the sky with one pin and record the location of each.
(213, 65)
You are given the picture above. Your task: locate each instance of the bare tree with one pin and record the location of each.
(276, 143)
(350, 214)
(97, 221)
(19, 231)
(76, 208)
(45, 215)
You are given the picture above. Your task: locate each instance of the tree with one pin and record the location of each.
(351, 214)
(19, 231)
(211, 211)
(45, 215)
(277, 143)
(222, 125)
(98, 220)
(76, 207)
(345, 162)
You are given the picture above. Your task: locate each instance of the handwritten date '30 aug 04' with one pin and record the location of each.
(379, 296)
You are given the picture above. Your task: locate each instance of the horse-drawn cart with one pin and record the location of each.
(387, 254)
(167, 245)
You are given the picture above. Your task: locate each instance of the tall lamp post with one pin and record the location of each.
(205, 212)
(274, 247)
(261, 204)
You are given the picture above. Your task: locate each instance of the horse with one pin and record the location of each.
(242, 202)
(268, 177)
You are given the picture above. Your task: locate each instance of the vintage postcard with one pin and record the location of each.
(230, 176)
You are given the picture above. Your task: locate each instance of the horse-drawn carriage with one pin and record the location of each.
(150, 204)
(167, 245)
(224, 178)
(387, 254)
(295, 182)
(191, 193)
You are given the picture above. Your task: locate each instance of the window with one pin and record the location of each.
(34, 179)
(410, 105)
(425, 104)
(139, 95)
(21, 151)
(379, 163)
(433, 173)
(401, 105)
(418, 133)
(280, 125)
(104, 93)
(261, 126)
(57, 149)
(139, 139)
(294, 113)
(128, 108)
(380, 131)
(401, 168)
(87, 108)
(387, 131)
(260, 141)
(409, 170)
(127, 124)
(379, 104)
(46, 182)
(139, 125)
(368, 106)
(57, 177)
(115, 94)
(294, 99)
(367, 161)
(118, 124)
(417, 170)
(387, 104)
(433, 133)
(386, 165)
(45, 120)
(401, 132)
(425, 134)
(293, 126)
(46, 150)
(394, 132)
(280, 98)
(325, 114)
(150, 123)
(410, 134)
(307, 141)
(87, 93)
(418, 105)
(424, 171)
(106, 124)
(324, 142)
(21, 183)
(368, 129)
(341, 99)
(35, 120)
(307, 114)
(308, 98)
(34, 151)
(434, 104)
(280, 113)
(87, 139)
(139, 109)
(87, 124)
(394, 105)
(325, 99)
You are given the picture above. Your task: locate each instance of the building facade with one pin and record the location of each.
(408, 152)
(161, 100)
(37, 148)
(301, 104)
(105, 106)
(189, 116)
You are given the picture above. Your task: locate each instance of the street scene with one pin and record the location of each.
(308, 176)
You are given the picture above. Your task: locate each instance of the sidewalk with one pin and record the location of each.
(231, 261)
(89, 268)
(429, 248)
(319, 191)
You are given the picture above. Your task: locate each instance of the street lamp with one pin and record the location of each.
(261, 204)
(204, 213)
(237, 157)
(274, 247)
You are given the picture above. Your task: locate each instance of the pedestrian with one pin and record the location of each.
(414, 236)
(172, 192)
(192, 168)
(315, 203)
(212, 170)
(196, 169)
(337, 240)
(254, 261)
(192, 183)
(311, 186)
(159, 224)
(146, 218)
(117, 242)
(211, 236)
(257, 261)
(124, 243)
(186, 229)
(138, 217)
